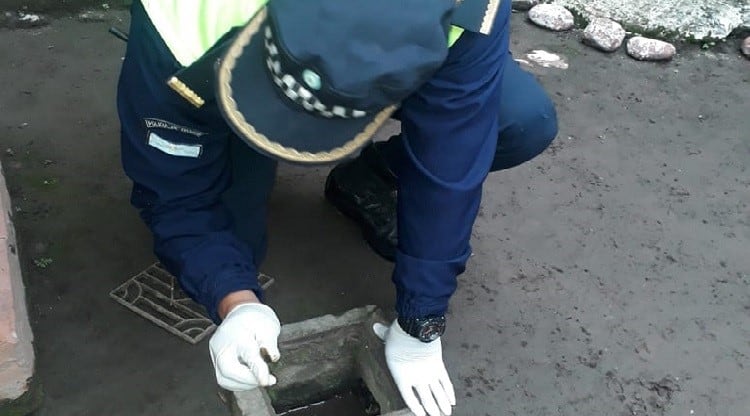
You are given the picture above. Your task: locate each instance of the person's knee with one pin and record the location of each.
(526, 134)
(545, 125)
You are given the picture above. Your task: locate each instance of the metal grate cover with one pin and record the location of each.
(155, 295)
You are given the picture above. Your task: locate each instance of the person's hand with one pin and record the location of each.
(416, 365)
(236, 347)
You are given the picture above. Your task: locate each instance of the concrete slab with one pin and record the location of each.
(16, 337)
(687, 19)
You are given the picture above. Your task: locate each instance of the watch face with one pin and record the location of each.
(431, 329)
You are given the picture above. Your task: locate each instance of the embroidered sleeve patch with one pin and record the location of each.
(174, 149)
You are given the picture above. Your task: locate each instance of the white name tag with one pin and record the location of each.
(174, 149)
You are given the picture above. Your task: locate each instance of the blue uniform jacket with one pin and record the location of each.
(179, 157)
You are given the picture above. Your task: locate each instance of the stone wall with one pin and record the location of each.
(16, 350)
(689, 19)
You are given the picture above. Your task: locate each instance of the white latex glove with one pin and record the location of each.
(236, 347)
(416, 365)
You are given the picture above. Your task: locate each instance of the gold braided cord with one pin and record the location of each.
(186, 92)
(489, 16)
(237, 119)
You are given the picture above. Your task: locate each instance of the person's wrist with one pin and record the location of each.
(235, 299)
(426, 329)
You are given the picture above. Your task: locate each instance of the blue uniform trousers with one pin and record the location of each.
(203, 193)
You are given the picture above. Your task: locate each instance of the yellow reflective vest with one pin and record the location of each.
(191, 27)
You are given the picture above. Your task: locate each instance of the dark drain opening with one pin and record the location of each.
(354, 401)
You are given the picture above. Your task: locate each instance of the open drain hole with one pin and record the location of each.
(356, 400)
(331, 365)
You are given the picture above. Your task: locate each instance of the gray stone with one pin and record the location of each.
(552, 17)
(746, 47)
(21, 20)
(321, 357)
(698, 19)
(544, 59)
(604, 34)
(645, 49)
(93, 16)
(524, 5)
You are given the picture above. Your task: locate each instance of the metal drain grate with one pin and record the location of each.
(155, 295)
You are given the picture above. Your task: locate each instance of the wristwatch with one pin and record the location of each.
(425, 329)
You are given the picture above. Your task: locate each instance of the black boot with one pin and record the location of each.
(364, 189)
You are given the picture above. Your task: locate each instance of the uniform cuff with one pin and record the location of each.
(424, 287)
(224, 285)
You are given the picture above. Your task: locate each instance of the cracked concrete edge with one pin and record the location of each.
(256, 399)
(373, 368)
(16, 337)
(404, 412)
(302, 329)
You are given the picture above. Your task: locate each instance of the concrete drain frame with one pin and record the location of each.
(320, 358)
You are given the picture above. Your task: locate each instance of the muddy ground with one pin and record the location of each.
(611, 275)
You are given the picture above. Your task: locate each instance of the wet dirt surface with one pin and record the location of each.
(611, 275)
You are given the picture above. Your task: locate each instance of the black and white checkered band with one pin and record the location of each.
(297, 92)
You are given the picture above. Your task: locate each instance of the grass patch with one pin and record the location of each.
(43, 262)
